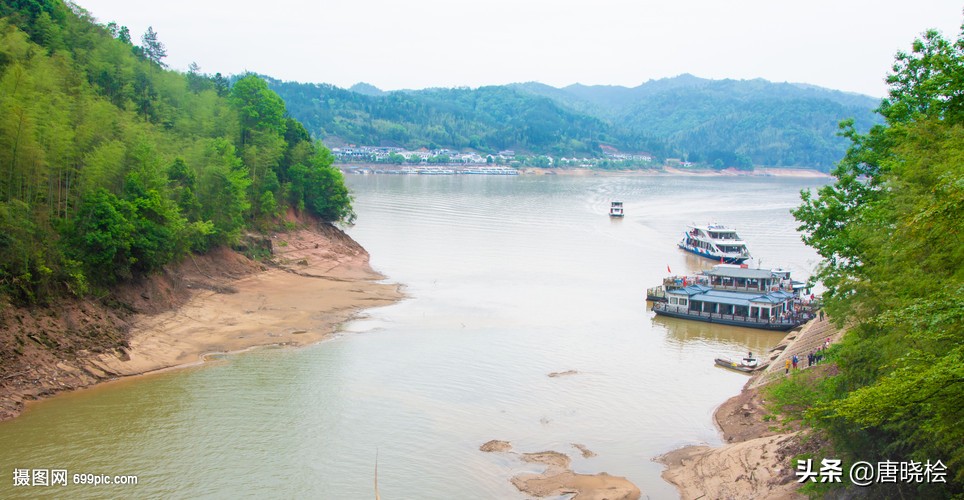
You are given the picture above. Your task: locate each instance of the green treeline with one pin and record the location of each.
(112, 166)
(891, 231)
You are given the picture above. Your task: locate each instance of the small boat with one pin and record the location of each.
(716, 242)
(746, 365)
(616, 209)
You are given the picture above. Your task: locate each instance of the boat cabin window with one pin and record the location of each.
(682, 302)
(673, 300)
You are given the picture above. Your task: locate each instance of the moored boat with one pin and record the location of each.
(746, 365)
(616, 209)
(716, 242)
(736, 295)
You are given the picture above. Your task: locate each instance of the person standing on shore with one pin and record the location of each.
(795, 360)
(787, 371)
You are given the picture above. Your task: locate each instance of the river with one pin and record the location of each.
(509, 279)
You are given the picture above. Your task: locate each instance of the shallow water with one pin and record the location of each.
(509, 278)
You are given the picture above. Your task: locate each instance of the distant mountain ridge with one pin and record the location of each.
(733, 122)
(720, 123)
(612, 97)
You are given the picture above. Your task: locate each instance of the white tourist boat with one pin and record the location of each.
(716, 242)
(616, 209)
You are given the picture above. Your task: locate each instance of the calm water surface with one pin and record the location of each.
(509, 279)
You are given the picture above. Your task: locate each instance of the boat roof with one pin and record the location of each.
(731, 271)
(690, 290)
(719, 228)
(704, 293)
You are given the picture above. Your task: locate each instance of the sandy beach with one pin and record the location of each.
(316, 279)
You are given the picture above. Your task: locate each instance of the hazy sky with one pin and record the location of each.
(392, 44)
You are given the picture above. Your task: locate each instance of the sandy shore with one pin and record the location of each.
(316, 286)
(750, 469)
(316, 279)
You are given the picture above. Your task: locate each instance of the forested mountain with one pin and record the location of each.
(112, 166)
(718, 123)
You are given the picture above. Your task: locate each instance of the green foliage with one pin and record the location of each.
(223, 191)
(795, 396)
(101, 235)
(320, 188)
(890, 233)
(112, 166)
(23, 260)
(260, 108)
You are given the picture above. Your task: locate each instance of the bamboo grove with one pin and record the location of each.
(112, 166)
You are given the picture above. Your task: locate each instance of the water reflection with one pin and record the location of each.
(731, 339)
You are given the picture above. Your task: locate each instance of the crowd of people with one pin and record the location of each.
(813, 357)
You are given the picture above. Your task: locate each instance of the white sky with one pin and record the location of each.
(393, 44)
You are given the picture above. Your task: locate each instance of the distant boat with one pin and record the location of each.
(716, 242)
(616, 209)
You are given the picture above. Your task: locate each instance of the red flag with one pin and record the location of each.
(668, 269)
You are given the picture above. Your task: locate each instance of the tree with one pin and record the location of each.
(889, 230)
(124, 35)
(260, 107)
(101, 237)
(153, 49)
(221, 85)
(320, 188)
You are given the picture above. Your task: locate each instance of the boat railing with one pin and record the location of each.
(791, 320)
(681, 281)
